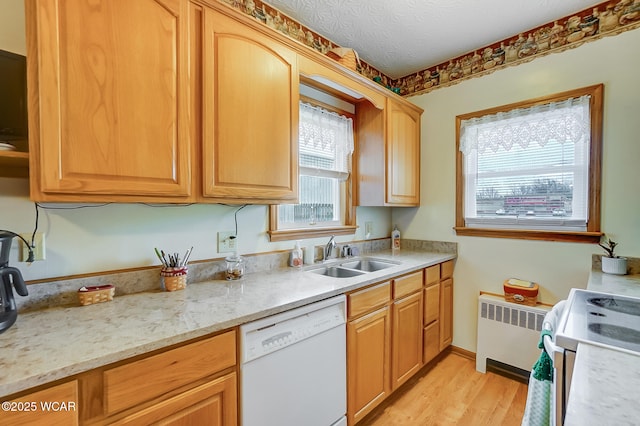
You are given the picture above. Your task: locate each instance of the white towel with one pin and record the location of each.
(539, 394)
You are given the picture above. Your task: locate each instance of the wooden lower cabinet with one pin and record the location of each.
(212, 404)
(368, 361)
(431, 318)
(446, 313)
(431, 341)
(192, 384)
(407, 338)
(57, 405)
(438, 309)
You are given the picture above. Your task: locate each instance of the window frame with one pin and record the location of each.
(592, 233)
(349, 227)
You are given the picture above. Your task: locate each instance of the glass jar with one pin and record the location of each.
(235, 267)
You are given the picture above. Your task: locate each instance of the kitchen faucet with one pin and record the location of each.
(328, 249)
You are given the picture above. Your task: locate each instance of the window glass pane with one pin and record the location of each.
(317, 161)
(319, 203)
(537, 181)
(528, 168)
(326, 143)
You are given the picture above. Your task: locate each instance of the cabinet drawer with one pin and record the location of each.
(447, 269)
(368, 299)
(432, 274)
(407, 284)
(431, 342)
(431, 303)
(140, 381)
(64, 407)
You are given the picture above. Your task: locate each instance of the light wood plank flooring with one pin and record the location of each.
(452, 392)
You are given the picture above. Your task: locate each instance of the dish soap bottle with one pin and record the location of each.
(295, 258)
(395, 238)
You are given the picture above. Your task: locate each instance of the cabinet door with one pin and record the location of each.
(250, 115)
(368, 362)
(214, 403)
(446, 313)
(430, 341)
(29, 409)
(431, 303)
(109, 98)
(403, 155)
(407, 338)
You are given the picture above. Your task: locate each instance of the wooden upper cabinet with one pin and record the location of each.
(250, 114)
(403, 155)
(109, 99)
(388, 153)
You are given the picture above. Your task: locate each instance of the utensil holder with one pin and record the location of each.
(174, 278)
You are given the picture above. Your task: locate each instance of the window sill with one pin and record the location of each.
(299, 234)
(573, 237)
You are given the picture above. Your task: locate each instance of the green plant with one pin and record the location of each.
(608, 245)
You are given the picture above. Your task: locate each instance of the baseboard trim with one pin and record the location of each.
(463, 352)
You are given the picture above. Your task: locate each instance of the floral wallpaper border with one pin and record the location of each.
(605, 19)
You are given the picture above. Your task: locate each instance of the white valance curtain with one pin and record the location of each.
(565, 122)
(327, 136)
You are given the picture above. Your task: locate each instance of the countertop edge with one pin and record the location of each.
(604, 378)
(328, 287)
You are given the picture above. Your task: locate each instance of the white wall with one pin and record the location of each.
(120, 236)
(484, 263)
(12, 31)
(117, 236)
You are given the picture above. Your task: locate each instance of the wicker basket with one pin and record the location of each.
(174, 278)
(520, 291)
(345, 56)
(96, 294)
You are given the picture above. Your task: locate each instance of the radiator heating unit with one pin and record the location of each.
(508, 332)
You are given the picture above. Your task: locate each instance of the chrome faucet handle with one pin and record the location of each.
(328, 249)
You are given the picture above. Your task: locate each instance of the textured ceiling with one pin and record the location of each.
(400, 37)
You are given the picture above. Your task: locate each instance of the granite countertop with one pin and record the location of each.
(50, 344)
(604, 388)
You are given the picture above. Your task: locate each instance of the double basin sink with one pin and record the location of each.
(348, 268)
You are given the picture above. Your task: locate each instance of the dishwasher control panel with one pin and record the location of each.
(276, 332)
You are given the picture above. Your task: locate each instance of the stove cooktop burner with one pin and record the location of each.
(601, 319)
(616, 304)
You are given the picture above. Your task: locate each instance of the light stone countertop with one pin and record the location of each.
(47, 345)
(606, 383)
(604, 389)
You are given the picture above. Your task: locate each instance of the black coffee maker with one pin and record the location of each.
(10, 278)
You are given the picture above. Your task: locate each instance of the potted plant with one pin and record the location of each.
(612, 264)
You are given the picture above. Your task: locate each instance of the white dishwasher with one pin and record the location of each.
(293, 367)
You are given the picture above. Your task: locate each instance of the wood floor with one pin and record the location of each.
(452, 392)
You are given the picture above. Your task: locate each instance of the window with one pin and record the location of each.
(532, 170)
(325, 147)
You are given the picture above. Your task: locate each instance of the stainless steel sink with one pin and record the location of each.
(351, 268)
(367, 265)
(336, 272)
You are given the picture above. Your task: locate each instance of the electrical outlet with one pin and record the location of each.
(368, 230)
(38, 246)
(227, 242)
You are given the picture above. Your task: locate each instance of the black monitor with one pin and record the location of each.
(13, 99)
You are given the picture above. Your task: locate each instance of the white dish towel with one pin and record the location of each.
(538, 410)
